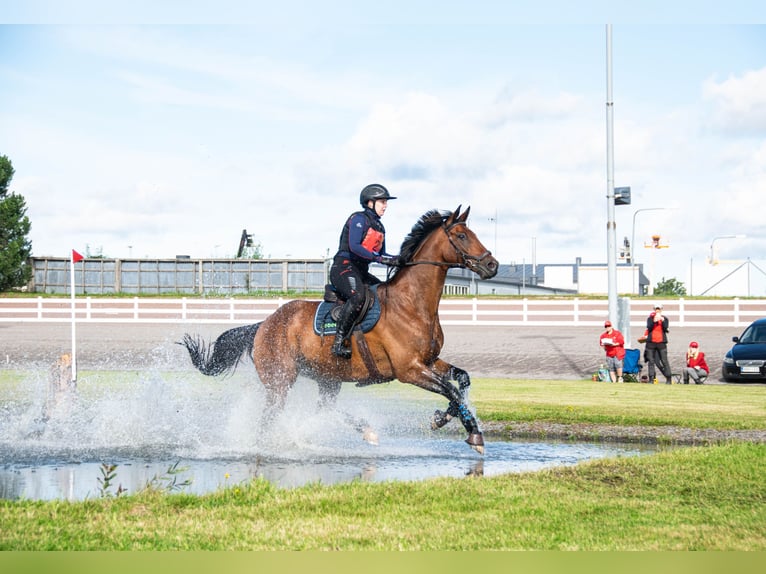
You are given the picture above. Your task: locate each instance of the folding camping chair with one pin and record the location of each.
(631, 366)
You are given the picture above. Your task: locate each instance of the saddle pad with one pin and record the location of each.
(324, 324)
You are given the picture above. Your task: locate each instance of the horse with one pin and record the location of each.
(403, 345)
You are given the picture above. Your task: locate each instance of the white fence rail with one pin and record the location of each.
(485, 312)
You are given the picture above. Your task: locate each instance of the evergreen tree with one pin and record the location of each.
(15, 246)
(6, 175)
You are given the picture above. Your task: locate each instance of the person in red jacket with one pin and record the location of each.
(656, 349)
(696, 367)
(614, 344)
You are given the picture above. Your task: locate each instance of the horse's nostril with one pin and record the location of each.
(492, 265)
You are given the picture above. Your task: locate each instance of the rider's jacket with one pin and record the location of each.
(363, 238)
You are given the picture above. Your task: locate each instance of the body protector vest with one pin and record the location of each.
(372, 238)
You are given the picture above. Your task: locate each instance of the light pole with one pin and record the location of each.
(633, 238)
(713, 260)
(494, 219)
(611, 226)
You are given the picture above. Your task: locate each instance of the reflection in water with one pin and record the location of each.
(147, 423)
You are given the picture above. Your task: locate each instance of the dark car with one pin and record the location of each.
(746, 360)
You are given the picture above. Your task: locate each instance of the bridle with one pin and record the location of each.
(468, 261)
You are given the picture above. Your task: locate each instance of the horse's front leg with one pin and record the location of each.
(328, 397)
(457, 374)
(439, 378)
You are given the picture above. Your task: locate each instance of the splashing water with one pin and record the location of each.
(145, 422)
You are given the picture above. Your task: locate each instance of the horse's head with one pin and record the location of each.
(468, 250)
(443, 239)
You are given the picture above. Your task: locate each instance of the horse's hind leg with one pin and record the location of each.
(328, 398)
(275, 403)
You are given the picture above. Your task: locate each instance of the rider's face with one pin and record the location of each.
(380, 206)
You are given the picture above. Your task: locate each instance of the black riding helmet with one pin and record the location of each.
(372, 192)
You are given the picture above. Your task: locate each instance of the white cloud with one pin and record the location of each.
(740, 102)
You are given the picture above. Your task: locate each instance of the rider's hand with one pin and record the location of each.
(390, 260)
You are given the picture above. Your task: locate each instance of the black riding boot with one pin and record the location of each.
(344, 325)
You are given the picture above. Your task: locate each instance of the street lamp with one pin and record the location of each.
(713, 260)
(633, 237)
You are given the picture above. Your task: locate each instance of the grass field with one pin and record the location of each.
(692, 498)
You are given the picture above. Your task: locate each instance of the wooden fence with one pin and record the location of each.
(477, 311)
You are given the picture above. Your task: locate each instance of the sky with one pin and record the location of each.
(151, 131)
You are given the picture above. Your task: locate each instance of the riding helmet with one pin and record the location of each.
(374, 191)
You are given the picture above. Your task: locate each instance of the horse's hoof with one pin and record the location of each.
(440, 419)
(476, 440)
(370, 437)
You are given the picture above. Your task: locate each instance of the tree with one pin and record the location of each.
(253, 251)
(15, 246)
(670, 287)
(6, 175)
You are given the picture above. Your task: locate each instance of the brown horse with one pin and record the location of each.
(404, 344)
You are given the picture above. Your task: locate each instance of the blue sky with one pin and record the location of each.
(164, 131)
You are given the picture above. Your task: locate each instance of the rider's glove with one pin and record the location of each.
(390, 260)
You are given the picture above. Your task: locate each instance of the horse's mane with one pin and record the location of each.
(429, 221)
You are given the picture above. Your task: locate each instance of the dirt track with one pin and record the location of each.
(514, 352)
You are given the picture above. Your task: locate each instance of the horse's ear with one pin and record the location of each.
(464, 217)
(453, 216)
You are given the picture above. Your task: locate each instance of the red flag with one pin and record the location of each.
(76, 256)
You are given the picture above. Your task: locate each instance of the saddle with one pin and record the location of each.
(326, 316)
(325, 323)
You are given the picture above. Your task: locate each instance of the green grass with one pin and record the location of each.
(692, 406)
(691, 498)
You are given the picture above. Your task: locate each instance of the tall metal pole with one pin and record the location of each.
(611, 232)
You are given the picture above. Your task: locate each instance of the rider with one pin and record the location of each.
(363, 240)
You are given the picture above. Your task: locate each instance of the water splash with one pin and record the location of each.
(145, 421)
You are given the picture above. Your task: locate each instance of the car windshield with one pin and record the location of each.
(754, 334)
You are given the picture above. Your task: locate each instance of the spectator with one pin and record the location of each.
(614, 345)
(696, 367)
(656, 350)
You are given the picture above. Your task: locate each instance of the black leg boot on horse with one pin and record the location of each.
(345, 324)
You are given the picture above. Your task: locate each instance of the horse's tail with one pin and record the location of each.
(225, 354)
